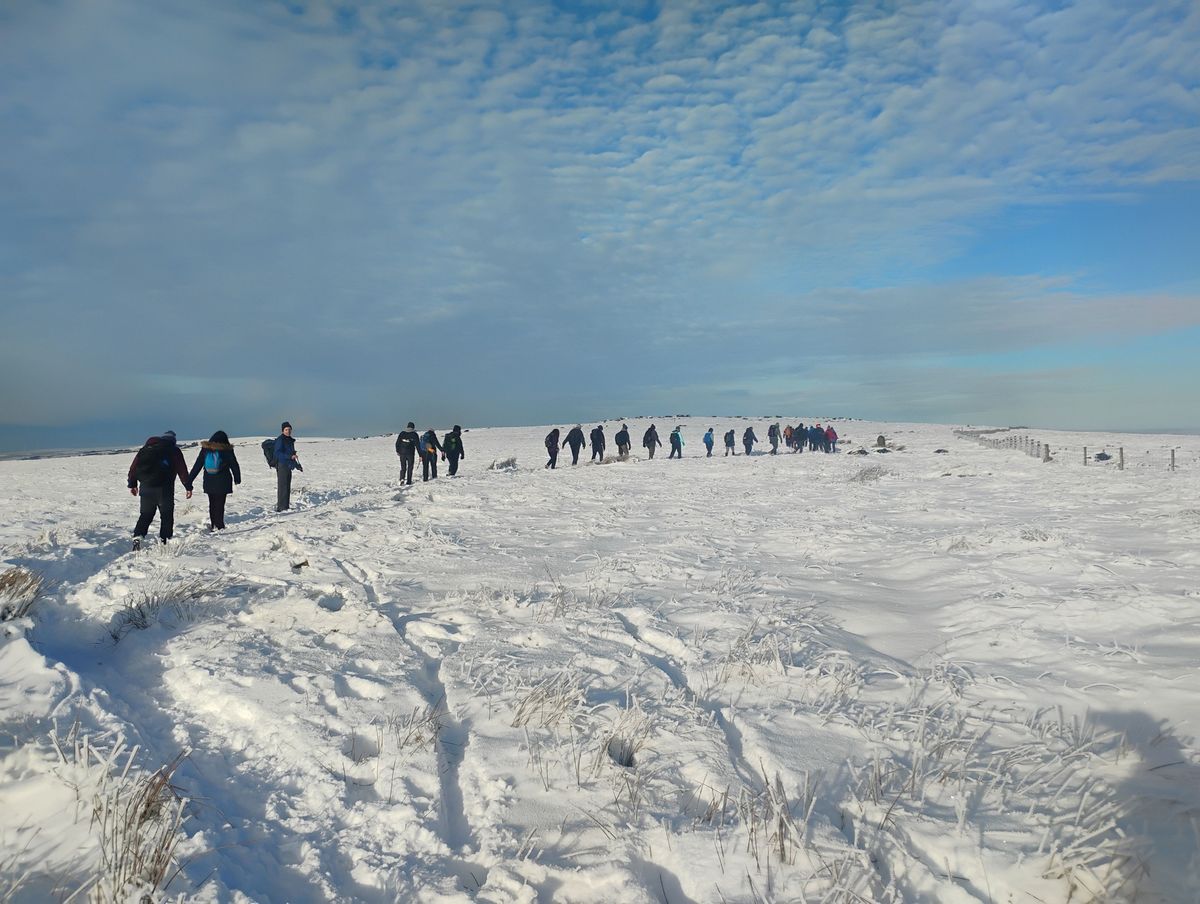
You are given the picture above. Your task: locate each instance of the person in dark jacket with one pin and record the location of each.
(152, 477)
(285, 462)
(815, 433)
(798, 437)
(576, 441)
(622, 440)
(676, 439)
(651, 441)
(453, 449)
(221, 472)
(430, 448)
(552, 448)
(749, 439)
(598, 442)
(407, 441)
(773, 438)
(708, 442)
(730, 439)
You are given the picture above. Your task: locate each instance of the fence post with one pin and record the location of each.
(1172, 459)
(1085, 456)
(1121, 460)
(1045, 451)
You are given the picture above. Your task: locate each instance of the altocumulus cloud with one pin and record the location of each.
(499, 212)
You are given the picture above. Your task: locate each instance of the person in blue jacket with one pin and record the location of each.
(708, 442)
(676, 443)
(730, 438)
(285, 463)
(749, 439)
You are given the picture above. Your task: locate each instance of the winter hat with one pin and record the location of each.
(411, 426)
(285, 426)
(457, 428)
(170, 433)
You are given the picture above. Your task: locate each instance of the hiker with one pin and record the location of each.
(285, 462)
(651, 441)
(773, 438)
(576, 441)
(815, 433)
(622, 440)
(749, 439)
(708, 442)
(429, 449)
(152, 477)
(676, 443)
(730, 440)
(798, 437)
(552, 448)
(452, 449)
(831, 439)
(221, 472)
(598, 443)
(407, 441)
(787, 436)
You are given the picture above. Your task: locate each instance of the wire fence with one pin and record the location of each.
(1140, 457)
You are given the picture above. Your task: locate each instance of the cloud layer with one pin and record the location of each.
(498, 212)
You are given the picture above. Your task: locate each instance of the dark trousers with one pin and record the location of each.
(575, 454)
(676, 451)
(729, 451)
(453, 459)
(406, 467)
(157, 500)
(774, 447)
(709, 448)
(553, 451)
(650, 449)
(429, 467)
(216, 510)
(597, 453)
(748, 446)
(283, 488)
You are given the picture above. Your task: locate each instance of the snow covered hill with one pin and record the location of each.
(912, 676)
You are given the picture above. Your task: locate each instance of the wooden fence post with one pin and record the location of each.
(1085, 456)
(1121, 460)
(1172, 459)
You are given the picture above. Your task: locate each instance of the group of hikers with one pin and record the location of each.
(815, 437)
(160, 461)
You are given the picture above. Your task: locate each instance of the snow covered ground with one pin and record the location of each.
(886, 677)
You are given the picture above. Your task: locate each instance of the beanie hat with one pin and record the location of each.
(170, 433)
(411, 425)
(285, 426)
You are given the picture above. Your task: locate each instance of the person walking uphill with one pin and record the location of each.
(676, 443)
(221, 472)
(651, 441)
(598, 443)
(285, 462)
(749, 439)
(621, 438)
(773, 438)
(831, 439)
(407, 441)
(576, 441)
(730, 438)
(708, 442)
(453, 448)
(552, 448)
(152, 477)
(430, 447)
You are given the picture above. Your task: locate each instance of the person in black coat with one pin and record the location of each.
(430, 447)
(598, 443)
(552, 448)
(651, 441)
(152, 478)
(407, 441)
(576, 441)
(452, 448)
(221, 472)
(749, 439)
(730, 437)
(622, 440)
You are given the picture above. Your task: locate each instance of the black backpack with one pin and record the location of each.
(268, 447)
(152, 465)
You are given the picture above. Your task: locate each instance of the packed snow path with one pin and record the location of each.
(898, 677)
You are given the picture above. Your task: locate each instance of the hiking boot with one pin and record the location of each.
(137, 543)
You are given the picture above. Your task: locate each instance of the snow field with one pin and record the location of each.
(902, 677)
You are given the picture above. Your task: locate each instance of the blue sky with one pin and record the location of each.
(219, 215)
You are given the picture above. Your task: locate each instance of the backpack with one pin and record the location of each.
(268, 447)
(450, 443)
(152, 465)
(212, 462)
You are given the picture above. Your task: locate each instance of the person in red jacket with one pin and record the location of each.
(831, 438)
(152, 477)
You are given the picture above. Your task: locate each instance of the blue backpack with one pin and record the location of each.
(212, 463)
